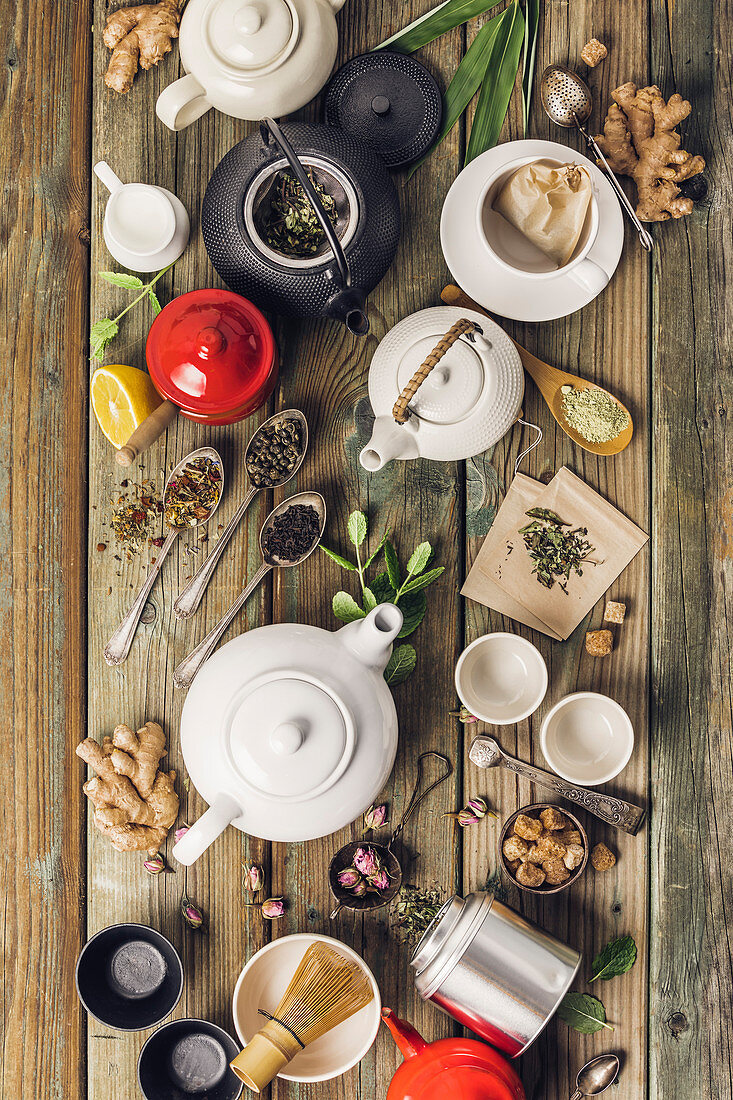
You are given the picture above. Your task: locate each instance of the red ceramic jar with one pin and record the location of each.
(212, 353)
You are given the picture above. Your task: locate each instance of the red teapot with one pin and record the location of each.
(449, 1069)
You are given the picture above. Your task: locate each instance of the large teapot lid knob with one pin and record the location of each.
(248, 19)
(286, 739)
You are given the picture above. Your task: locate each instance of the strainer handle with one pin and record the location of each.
(414, 802)
(644, 235)
(269, 128)
(400, 411)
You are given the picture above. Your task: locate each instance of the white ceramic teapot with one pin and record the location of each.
(441, 389)
(289, 732)
(251, 58)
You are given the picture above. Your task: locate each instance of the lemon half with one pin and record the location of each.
(122, 397)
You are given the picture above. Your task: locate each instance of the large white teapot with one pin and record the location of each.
(289, 732)
(251, 58)
(442, 389)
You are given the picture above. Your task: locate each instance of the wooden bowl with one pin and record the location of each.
(534, 809)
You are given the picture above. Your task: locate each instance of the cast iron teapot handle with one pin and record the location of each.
(347, 304)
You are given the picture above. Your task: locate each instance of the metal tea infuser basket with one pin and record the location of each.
(344, 857)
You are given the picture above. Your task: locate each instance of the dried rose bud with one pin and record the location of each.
(181, 832)
(191, 913)
(273, 908)
(464, 715)
(349, 877)
(375, 817)
(154, 865)
(472, 812)
(254, 877)
(360, 889)
(366, 860)
(380, 881)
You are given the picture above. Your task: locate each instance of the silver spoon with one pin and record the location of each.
(485, 752)
(184, 674)
(596, 1076)
(119, 644)
(190, 597)
(568, 103)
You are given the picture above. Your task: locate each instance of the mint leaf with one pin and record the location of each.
(615, 958)
(346, 608)
(155, 303)
(413, 607)
(419, 559)
(583, 1013)
(374, 552)
(382, 589)
(393, 565)
(119, 278)
(343, 562)
(101, 333)
(357, 527)
(370, 600)
(422, 581)
(400, 665)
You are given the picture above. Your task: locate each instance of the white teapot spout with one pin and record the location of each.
(389, 440)
(370, 639)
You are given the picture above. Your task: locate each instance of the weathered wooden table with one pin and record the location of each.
(659, 336)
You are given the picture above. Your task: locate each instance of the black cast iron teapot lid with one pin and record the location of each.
(388, 100)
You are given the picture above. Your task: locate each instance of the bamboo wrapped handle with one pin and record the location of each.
(400, 412)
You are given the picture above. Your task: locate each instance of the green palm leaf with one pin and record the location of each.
(446, 17)
(498, 83)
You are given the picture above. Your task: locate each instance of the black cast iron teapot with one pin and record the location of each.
(357, 249)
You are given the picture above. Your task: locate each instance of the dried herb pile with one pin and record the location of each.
(192, 496)
(292, 226)
(274, 453)
(134, 518)
(413, 910)
(556, 553)
(293, 533)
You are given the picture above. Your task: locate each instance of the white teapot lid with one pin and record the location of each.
(249, 35)
(453, 388)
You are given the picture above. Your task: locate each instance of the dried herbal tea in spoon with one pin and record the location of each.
(292, 226)
(556, 553)
(191, 497)
(293, 533)
(274, 453)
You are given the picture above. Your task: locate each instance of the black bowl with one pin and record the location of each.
(129, 977)
(188, 1058)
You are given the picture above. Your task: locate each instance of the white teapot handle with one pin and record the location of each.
(336, 4)
(182, 102)
(204, 832)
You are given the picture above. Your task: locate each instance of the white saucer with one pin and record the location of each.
(490, 284)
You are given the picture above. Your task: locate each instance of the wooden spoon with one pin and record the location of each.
(549, 381)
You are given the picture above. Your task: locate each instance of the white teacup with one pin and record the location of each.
(511, 250)
(145, 227)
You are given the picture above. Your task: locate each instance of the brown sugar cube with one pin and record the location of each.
(569, 836)
(593, 52)
(548, 848)
(599, 643)
(528, 827)
(514, 848)
(533, 856)
(602, 857)
(555, 872)
(529, 874)
(614, 612)
(573, 856)
(514, 865)
(552, 819)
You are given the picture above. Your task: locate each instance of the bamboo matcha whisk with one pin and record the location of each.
(325, 990)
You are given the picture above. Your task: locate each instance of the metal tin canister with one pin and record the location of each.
(493, 970)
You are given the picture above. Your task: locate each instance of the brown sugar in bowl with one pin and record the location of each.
(534, 810)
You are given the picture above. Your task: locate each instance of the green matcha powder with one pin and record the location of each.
(593, 414)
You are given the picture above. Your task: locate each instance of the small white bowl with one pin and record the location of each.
(501, 678)
(263, 982)
(587, 738)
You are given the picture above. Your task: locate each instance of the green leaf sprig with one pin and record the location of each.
(617, 957)
(583, 1012)
(105, 329)
(387, 587)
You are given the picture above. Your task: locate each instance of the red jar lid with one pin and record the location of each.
(212, 353)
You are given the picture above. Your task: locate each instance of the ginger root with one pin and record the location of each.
(138, 36)
(640, 140)
(135, 804)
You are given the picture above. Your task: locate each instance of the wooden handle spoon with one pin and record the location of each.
(549, 381)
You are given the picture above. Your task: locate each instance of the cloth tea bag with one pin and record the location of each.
(548, 203)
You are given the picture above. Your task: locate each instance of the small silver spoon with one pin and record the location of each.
(184, 674)
(485, 752)
(190, 597)
(119, 644)
(568, 103)
(596, 1076)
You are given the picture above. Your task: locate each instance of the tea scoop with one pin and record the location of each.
(596, 1075)
(485, 752)
(190, 597)
(119, 644)
(344, 857)
(568, 103)
(186, 671)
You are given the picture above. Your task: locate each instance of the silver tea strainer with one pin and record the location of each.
(344, 857)
(568, 103)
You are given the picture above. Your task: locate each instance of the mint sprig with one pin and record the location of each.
(104, 330)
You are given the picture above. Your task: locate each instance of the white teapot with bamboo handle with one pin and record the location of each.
(445, 383)
(251, 58)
